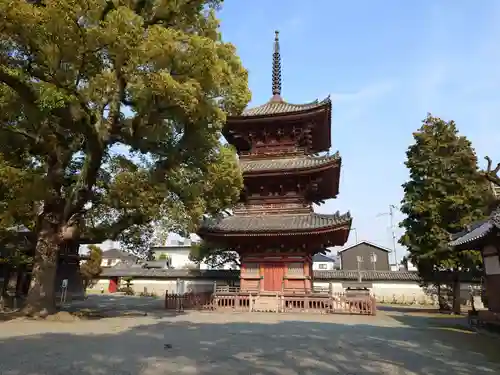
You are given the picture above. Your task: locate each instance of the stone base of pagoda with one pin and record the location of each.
(276, 272)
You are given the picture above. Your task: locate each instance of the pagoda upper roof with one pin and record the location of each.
(288, 163)
(269, 224)
(277, 106)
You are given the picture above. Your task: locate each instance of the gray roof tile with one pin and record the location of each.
(477, 231)
(273, 107)
(261, 224)
(235, 274)
(117, 254)
(290, 163)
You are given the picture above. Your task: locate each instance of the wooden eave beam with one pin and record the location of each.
(336, 163)
(278, 117)
(342, 227)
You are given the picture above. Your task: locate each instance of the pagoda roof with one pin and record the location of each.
(288, 163)
(262, 225)
(277, 106)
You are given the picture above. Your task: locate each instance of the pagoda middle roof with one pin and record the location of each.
(280, 107)
(272, 223)
(287, 163)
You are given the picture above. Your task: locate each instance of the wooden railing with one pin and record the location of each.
(188, 301)
(278, 302)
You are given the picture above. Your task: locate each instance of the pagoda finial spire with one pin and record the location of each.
(276, 69)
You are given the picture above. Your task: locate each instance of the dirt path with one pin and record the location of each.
(266, 344)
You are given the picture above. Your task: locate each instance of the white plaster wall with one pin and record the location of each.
(384, 292)
(329, 266)
(114, 262)
(400, 292)
(180, 259)
(159, 287)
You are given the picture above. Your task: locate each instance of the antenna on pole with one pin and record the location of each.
(393, 233)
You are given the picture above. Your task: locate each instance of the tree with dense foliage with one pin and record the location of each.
(215, 257)
(91, 268)
(116, 108)
(444, 194)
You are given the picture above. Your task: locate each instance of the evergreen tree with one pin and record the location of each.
(116, 110)
(91, 268)
(445, 192)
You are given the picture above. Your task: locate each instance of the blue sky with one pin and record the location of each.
(385, 65)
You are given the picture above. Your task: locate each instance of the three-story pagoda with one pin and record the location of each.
(274, 228)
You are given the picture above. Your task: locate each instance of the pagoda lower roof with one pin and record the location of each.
(272, 224)
(280, 107)
(288, 163)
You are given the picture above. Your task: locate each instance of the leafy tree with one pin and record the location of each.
(117, 108)
(162, 256)
(445, 192)
(91, 268)
(215, 257)
(211, 194)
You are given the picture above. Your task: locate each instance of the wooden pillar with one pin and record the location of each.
(261, 274)
(491, 262)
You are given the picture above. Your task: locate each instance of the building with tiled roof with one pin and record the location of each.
(274, 228)
(112, 257)
(484, 236)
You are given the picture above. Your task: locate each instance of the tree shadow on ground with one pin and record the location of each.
(215, 344)
(108, 306)
(416, 309)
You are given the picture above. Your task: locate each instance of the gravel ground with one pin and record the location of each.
(242, 343)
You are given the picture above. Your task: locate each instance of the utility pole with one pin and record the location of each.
(359, 260)
(373, 259)
(355, 234)
(393, 234)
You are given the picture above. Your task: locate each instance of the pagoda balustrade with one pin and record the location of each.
(231, 299)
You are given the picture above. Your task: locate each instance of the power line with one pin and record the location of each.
(393, 233)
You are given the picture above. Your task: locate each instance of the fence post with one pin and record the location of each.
(215, 286)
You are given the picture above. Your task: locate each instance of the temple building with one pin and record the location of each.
(484, 236)
(284, 155)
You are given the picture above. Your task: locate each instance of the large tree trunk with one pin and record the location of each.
(6, 272)
(41, 295)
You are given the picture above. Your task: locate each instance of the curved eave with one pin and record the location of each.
(322, 138)
(333, 164)
(324, 106)
(275, 233)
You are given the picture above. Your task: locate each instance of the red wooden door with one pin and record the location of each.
(113, 285)
(273, 276)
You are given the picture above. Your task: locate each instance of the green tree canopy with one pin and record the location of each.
(116, 108)
(445, 192)
(214, 256)
(91, 268)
